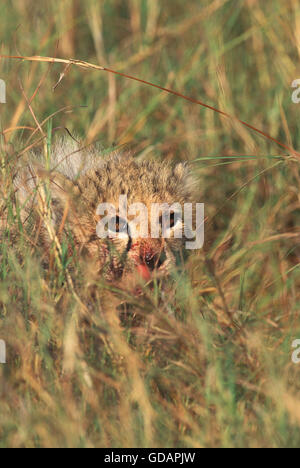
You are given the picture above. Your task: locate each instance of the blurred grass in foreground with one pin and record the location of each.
(182, 376)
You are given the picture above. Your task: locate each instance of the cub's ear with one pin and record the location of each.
(31, 181)
(33, 185)
(181, 171)
(185, 176)
(62, 188)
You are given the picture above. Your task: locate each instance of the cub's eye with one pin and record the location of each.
(172, 217)
(117, 224)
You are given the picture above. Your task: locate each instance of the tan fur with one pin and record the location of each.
(78, 181)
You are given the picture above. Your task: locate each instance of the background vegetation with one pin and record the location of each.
(208, 362)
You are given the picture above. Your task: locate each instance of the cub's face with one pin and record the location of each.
(125, 216)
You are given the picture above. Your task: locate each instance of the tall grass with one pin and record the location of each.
(205, 361)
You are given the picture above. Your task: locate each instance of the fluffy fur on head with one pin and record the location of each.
(79, 181)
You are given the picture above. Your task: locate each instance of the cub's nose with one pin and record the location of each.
(152, 259)
(148, 256)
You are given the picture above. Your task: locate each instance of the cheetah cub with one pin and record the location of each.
(61, 198)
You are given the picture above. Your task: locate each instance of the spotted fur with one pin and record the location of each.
(79, 181)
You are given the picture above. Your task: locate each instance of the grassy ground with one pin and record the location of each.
(209, 364)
